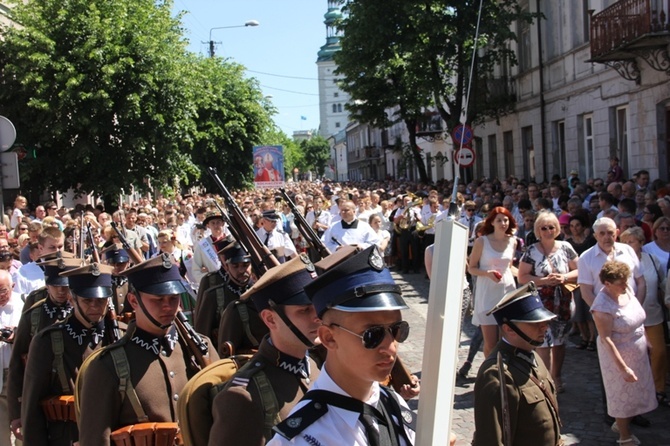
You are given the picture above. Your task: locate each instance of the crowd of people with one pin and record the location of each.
(590, 249)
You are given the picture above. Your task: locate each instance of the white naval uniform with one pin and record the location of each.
(279, 241)
(337, 426)
(362, 235)
(28, 278)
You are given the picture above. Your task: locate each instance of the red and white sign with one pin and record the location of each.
(462, 135)
(465, 157)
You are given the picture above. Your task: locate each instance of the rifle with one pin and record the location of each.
(137, 259)
(305, 229)
(261, 256)
(194, 342)
(504, 403)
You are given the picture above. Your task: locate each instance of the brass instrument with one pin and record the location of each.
(404, 222)
(420, 227)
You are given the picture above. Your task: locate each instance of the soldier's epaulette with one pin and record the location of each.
(408, 418)
(58, 325)
(301, 419)
(246, 373)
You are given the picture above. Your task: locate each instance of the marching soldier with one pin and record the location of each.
(54, 307)
(265, 390)
(144, 372)
(359, 304)
(241, 329)
(57, 352)
(119, 259)
(212, 301)
(526, 413)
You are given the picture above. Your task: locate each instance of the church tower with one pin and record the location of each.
(333, 116)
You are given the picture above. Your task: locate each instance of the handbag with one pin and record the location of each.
(566, 288)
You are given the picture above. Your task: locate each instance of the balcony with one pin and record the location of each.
(429, 126)
(630, 29)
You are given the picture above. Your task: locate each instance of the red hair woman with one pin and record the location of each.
(490, 264)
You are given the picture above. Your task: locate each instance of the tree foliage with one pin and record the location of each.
(108, 96)
(316, 152)
(400, 57)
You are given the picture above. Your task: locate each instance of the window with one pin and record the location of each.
(524, 52)
(508, 147)
(589, 157)
(336, 94)
(337, 125)
(622, 137)
(528, 150)
(334, 108)
(559, 143)
(493, 156)
(339, 108)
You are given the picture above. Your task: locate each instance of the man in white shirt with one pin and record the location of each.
(349, 230)
(11, 307)
(30, 276)
(272, 236)
(359, 304)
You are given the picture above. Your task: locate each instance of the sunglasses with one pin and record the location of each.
(547, 228)
(373, 336)
(663, 228)
(470, 210)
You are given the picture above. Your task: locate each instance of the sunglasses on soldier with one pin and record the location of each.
(374, 336)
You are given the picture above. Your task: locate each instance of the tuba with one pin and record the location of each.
(420, 227)
(404, 222)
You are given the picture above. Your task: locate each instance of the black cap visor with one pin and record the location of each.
(95, 292)
(163, 288)
(370, 303)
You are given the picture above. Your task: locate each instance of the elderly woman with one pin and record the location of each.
(622, 350)
(551, 263)
(655, 277)
(660, 246)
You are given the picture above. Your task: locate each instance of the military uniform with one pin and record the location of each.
(143, 373)
(264, 391)
(242, 327)
(116, 254)
(239, 411)
(40, 315)
(530, 394)
(48, 374)
(532, 416)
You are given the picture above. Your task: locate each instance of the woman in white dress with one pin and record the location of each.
(491, 262)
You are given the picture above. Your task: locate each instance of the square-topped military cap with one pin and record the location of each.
(358, 284)
(335, 258)
(223, 243)
(53, 268)
(235, 253)
(116, 254)
(90, 281)
(521, 305)
(284, 284)
(158, 276)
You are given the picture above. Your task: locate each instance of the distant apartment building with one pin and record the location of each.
(592, 82)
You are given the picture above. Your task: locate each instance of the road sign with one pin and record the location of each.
(7, 134)
(462, 135)
(10, 170)
(465, 157)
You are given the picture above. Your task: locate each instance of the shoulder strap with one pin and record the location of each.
(35, 319)
(58, 347)
(301, 419)
(269, 402)
(126, 388)
(244, 317)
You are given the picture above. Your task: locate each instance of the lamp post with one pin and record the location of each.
(211, 42)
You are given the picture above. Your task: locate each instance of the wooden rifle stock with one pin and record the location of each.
(137, 258)
(94, 249)
(305, 229)
(248, 237)
(196, 345)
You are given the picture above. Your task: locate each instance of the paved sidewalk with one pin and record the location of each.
(580, 405)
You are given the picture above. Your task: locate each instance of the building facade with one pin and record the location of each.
(593, 82)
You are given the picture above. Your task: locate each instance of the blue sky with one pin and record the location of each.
(281, 52)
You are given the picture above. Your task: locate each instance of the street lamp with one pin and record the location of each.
(211, 42)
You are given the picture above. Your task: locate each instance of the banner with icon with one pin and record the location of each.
(269, 166)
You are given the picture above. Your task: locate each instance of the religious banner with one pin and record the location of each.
(269, 166)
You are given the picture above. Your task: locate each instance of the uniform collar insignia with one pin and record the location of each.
(55, 311)
(295, 366)
(156, 344)
(118, 281)
(80, 333)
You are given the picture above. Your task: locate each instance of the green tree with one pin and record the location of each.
(316, 151)
(101, 91)
(419, 57)
(232, 117)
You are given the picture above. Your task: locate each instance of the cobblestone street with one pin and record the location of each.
(580, 405)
